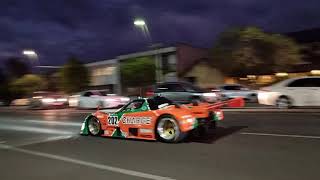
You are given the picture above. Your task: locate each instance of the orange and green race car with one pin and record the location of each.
(155, 118)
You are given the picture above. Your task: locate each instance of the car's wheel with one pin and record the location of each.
(283, 102)
(168, 130)
(100, 105)
(94, 126)
(252, 98)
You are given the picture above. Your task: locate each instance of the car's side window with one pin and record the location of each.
(170, 88)
(176, 88)
(232, 88)
(317, 82)
(162, 88)
(300, 83)
(135, 106)
(87, 94)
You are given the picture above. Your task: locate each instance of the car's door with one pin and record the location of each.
(86, 100)
(315, 90)
(231, 91)
(132, 118)
(301, 92)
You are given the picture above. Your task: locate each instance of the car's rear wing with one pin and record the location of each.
(236, 102)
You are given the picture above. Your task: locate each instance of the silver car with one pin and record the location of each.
(229, 91)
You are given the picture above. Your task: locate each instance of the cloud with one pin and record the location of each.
(94, 30)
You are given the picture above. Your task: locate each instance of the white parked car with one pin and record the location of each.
(230, 91)
(304, 91)
(95, 98)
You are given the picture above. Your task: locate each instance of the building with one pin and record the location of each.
(104, 75)
(172, 64)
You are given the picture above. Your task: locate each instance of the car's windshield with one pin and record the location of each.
(159, 102)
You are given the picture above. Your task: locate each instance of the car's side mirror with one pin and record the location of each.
(176, 105)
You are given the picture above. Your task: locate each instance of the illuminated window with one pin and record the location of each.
(105, 71)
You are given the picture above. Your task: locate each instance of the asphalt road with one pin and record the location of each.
(247, 146)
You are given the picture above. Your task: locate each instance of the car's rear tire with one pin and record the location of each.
(168, 130)
(94, 126)
(252, 98)
(283, 102)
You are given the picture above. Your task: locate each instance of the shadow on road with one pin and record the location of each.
(214, 135)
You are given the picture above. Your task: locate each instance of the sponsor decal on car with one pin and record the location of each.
(136, 120)
(113, 120)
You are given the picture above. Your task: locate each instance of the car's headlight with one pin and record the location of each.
(190, 120)
(62, 99)
(125, 99)
(110, 100)
(209, 94)
(48, 100)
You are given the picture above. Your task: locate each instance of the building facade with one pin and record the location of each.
(171, 65)
(104, 75)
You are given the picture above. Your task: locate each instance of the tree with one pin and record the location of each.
(251, 51)
(16, 68)
(74, 76)
(27, 84)
(138, 72)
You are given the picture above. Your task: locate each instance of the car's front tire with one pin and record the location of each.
(94, 126)
(283, 102)
(168, 130)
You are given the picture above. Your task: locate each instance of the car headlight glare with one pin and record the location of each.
(209, 94)
(125, 99)
(48, 100)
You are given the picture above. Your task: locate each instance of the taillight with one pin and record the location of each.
(149, 93)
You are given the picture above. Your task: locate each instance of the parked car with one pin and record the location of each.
(2, 103)
(45, 99)
(20, 102)
(182, 92)
(229, 91)
(95, 98)
(304, 91)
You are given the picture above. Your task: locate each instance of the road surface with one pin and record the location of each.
(45, 144)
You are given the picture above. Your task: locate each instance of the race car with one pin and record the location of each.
(156, 118)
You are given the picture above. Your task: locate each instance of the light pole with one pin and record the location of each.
(158, 60)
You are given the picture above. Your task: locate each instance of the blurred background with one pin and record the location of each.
(68, 48)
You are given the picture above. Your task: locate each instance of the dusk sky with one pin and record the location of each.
(95, 30)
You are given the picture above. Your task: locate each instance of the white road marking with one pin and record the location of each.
(86, 163)
(35, 129)
(63, 123)
(281, 135)
(43, 140)
(2, 142)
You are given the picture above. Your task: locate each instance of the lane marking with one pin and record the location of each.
(63, 123)
(35, 129)
(2, 142)
(43, 140)
(86, 163)
(281, 135)
(44, 122)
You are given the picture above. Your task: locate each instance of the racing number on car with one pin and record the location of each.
(113, 120)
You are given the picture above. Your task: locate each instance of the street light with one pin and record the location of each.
(139, 22)
(143, 25)
(29, 53)
(32, 57)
